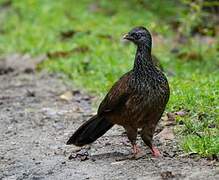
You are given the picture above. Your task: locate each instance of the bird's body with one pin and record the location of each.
(136, 101)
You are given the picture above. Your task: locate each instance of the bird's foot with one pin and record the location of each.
(155, 152)
(135, 149)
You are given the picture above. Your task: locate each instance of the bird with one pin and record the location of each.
(136, 101)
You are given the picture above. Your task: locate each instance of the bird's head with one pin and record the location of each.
(139, 36)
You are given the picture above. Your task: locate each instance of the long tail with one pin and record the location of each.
(91, 130)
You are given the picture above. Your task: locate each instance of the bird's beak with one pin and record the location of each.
(126, 36)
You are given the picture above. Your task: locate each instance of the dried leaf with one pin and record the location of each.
(67, 34)
(67, 96)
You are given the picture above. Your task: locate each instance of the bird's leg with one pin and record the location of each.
(132, 135)
(147, 135)
(135, 149)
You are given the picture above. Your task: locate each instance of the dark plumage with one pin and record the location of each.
(136, 100)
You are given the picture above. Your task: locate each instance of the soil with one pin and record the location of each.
(36, 123)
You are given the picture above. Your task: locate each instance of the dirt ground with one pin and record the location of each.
(36, 123)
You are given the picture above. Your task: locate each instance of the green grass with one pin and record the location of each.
(34, 27)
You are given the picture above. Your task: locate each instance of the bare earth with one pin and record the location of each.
(36, 123)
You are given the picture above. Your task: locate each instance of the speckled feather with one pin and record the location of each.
(136, 100)
(139, 98)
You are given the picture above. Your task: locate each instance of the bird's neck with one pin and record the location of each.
(143, 60)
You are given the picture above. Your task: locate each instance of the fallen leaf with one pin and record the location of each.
(67, 96)
(67, 34)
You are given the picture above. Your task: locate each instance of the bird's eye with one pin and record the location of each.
(136, 36)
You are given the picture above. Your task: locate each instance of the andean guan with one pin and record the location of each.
(136, 101)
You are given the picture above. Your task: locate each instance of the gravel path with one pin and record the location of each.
(36, 122)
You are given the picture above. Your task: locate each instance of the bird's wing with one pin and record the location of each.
(116, 97)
